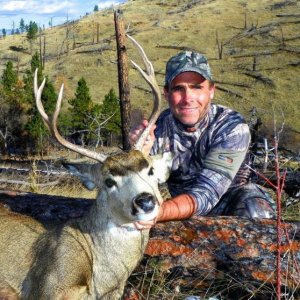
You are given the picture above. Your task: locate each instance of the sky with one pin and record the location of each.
(41, 11)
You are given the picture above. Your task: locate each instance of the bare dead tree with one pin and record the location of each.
(124, 89)
(254, 63)
(41, 54)
(98, 33)
(44, 53)
(4, 136)
(282, 37)
(67, 36)
(42, 48)
(93, 32)
(220, 46)
(100, 124)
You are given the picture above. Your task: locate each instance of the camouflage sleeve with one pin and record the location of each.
(220, 166)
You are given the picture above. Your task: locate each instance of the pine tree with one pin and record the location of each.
(81, 105)
(84, 115)
(35, 127)
(96, 8)
(9, 77)
(32, 33)
(110, 111)
(28, 78)
(12, 116)
(3, 32)
(22, 25)
(32, 30)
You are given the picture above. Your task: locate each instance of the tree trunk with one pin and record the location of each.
(124, 89)
(206, 253)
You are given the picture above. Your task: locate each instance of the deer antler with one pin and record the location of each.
(51, 123)
(149, 76)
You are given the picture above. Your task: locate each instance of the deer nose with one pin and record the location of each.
(143, 203)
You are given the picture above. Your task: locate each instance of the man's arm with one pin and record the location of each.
(219, 168)
(178, 208)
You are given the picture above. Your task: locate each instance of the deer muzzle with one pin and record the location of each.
(145, 206)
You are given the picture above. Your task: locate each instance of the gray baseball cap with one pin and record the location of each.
(187, 61)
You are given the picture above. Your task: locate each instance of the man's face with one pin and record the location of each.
(189, 96)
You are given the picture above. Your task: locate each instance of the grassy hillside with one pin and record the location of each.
(260, 43)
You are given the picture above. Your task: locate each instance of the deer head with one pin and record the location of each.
(128, 180)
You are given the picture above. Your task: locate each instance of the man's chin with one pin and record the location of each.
(188, 122)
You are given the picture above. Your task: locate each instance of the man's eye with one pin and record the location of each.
(110, 182)
(151, 171)
(197, 86)
(176, 88)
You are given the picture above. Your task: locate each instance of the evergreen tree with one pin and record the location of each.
(36, 64)
(12, 116)
(32, 30)
(12, 120)
(32, 33)
(81, 108)
(22, 25)
(96, 8)
(110, 111)
(9, 77)
(85, 116)
(35, 127)
(28, 78)
(3, 32)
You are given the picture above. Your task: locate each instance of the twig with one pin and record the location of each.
(279, 231)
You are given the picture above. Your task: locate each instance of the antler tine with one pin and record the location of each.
(52, 123)
(38, 94)
(151, 80)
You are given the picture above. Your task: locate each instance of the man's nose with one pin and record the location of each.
(187, 95)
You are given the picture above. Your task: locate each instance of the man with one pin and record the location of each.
(209, 142)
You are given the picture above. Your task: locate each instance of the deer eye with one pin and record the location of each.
(110, 182)
(151, 171)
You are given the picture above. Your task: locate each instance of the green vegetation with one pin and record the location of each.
(22, 127)
(9, 77)
(22, 25)
(110, 110)
(3, 32)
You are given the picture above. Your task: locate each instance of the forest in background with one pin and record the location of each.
(254, 54)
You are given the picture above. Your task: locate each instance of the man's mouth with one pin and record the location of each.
(188, 109)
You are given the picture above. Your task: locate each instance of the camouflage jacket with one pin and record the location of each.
(207, 160)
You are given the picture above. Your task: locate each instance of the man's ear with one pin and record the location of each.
(166, 93)
(212, 91)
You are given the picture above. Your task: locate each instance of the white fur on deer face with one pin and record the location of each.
(129, 182)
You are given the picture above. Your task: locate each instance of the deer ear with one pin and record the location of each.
(88, 173)
(162, 164)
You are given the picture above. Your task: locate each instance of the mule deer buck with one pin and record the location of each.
(90, 257)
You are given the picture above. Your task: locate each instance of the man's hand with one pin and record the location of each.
(140, 225)
(136, 132)
(148, 224)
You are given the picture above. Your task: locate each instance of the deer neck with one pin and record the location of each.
(100, 220)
